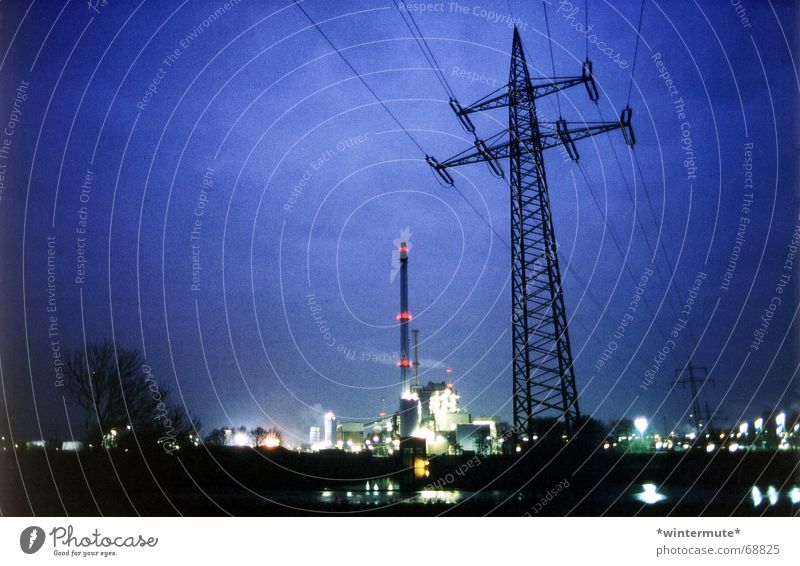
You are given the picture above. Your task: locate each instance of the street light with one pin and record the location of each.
(641, 424)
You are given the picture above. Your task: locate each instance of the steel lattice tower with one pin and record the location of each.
(543, 373)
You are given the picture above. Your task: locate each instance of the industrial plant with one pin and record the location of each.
(428, 418)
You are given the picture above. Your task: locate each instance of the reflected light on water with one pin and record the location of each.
(433, 496)
(649, 494)
(755, 495)
(772, 495)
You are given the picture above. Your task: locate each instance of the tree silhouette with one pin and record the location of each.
(115, 389)
(216, 437)
(258, 435)
(261, 436)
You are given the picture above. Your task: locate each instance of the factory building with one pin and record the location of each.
(314, 435)
(330, 430)
(351, 436)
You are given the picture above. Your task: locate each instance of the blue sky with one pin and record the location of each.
(305, 183)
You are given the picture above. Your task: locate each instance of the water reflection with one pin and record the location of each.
(755, 495)
(773, 495)
(389, 495)
(432, 496)
(649, 494)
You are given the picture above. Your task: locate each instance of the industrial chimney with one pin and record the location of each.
(409, 403)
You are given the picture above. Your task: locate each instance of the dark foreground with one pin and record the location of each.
(234, 481)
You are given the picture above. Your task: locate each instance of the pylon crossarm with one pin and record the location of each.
(563, 135)
(539, 88)
(567, 135)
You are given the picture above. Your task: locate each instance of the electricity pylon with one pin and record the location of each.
(692, 381)
(543, 374)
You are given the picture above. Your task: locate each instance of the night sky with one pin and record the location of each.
(150, 139)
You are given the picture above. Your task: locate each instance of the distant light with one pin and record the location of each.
(759, 423)
(271, 442)
(743, 428)
(710, 447)
(794, 495)
(403, 316)
(733, 447)
(780, 420)
(240, 439)
(449, 370)
(649, 494)
(641, 424)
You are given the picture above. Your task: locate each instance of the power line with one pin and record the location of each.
(434, 65)
(652, 249)
(356, 73)
(635, 51)
(426, 50)
(510, 11)
(552, 59)
(586, 25)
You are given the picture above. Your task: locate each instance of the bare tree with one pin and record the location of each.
(115, 389)
(258, 436)
(266, 437)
